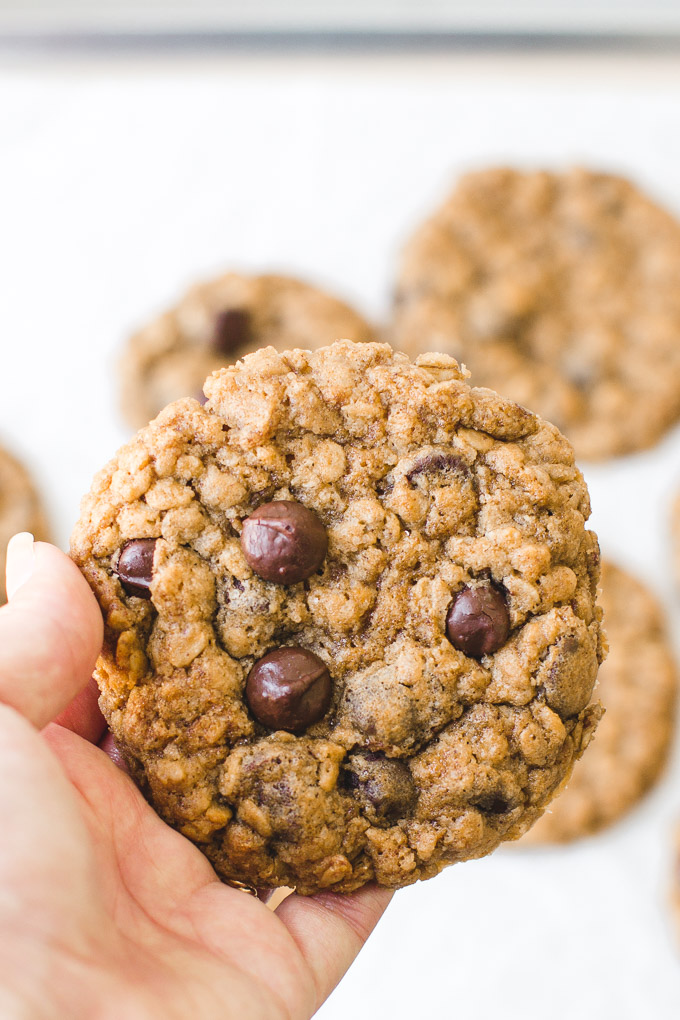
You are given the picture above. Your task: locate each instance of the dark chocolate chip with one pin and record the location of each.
(233, 329)
(478, 622)
(284, 542)
(135, 566)
(383, 787)
(434, 463)
(289, 689)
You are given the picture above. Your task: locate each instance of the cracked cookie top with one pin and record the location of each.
(351, 629)
(560, 291)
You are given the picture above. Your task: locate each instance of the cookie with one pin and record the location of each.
(558, 290)
(637, 686)
(215, 324)
(20, 508)
(351, 628)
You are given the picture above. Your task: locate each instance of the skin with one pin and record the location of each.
(106, 912)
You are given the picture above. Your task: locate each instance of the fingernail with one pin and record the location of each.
(20, 562)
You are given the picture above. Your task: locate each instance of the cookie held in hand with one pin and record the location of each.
(351, 630)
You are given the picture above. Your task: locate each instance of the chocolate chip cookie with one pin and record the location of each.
(215, 324)
(351, 629)
(20, 508)
(638, 687)
(558, 290)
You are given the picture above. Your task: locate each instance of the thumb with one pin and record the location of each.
(50, 632)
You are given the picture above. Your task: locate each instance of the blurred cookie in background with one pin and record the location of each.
(637, 685)
(215, 324)
(20, 508)
(559, 290)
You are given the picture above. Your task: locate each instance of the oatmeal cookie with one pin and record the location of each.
(637, 686)
(351, 629)
(218, 322)
(20, 508)
(558, 290)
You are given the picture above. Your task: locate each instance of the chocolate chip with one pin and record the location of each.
(436, 463)
(135, 566)
(383, 787)
(233, 329)
(478, 622)
(284, 542)
(289, 689)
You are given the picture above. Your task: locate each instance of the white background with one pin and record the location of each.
(124, 180)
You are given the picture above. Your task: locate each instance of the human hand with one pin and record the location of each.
(106, 912)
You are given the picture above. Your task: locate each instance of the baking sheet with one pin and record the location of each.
(125, 180)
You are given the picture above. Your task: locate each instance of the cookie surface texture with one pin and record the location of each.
(218, 322)
(407, 701)
(637, 686)
(20, 508)
(558, 290)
